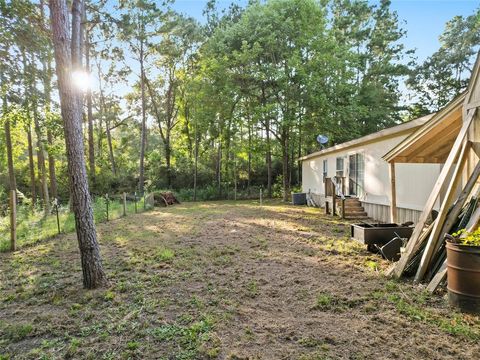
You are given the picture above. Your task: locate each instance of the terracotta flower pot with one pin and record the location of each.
(463, 276)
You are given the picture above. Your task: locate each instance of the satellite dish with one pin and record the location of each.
(322, 139)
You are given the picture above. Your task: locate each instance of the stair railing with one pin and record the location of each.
(338, 187)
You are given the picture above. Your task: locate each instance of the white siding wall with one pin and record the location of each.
(381, 213)
(414, 182)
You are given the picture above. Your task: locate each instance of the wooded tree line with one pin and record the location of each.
(207, 107)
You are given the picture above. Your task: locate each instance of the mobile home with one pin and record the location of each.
(361, 173)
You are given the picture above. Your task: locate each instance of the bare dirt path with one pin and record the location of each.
(223, 280)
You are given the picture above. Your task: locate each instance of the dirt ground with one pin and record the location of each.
(223, 281)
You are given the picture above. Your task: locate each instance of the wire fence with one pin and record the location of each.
(32, 224)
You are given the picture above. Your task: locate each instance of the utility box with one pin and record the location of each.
(299, 198)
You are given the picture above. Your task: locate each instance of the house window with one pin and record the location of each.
(340, 163)
(325, 169)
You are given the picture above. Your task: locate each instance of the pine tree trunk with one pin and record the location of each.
(91, 146)
(195, 172)
(269, 159)
(299, 154)
(42, 171)
(143, 139)
(47, 80)
(268, 155)
(110, 148)
(219, 169)
(11, 171)
(31, 165)
(51, 168)
(68, 57)
(168, 157)
(291, 163)
(249, 180)
(285, 167)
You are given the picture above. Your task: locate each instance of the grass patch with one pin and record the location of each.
(189, 340)
(329, 302)
(415, 306)
(165, 255)
(17, 332)
(252, 289)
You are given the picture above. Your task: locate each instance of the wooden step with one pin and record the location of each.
(353, 207)
(359, 213)
(355, 211)
(360, 216)
(350, 203)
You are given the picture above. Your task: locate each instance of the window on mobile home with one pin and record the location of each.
(325, 169)
(340, 163)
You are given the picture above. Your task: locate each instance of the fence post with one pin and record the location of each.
(124, 204)
(106, 203)
(55, 205)
(144, 201)
(334, 200)
(135, 197)
(261, 197)
(13, 220)
(343, 208)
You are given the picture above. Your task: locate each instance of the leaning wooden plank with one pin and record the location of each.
(442, 272)
(474, 221)
(424, 235)
(442, 214)
(457, 207)
(438, 278)
(434, 195)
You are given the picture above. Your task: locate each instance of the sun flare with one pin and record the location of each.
(82, 80)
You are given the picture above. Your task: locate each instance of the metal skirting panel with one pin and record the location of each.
(381, 213)
(318, 200)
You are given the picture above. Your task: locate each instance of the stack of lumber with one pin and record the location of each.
(424, 256)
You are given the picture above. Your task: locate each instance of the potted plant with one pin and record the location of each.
(463, 270)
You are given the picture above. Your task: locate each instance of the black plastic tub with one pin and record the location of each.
(379, 234)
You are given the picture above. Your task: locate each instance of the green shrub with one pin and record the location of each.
(470, 239)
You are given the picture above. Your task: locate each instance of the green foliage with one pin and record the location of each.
(462, 237)
(445, 73)
(165, 255)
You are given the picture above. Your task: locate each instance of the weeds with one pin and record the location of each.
(330, 302)
(414, 306)
(190, 339)
(165, 255)
(17, 332)
(252, 289)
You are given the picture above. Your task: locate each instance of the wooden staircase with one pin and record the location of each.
(353, 209)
